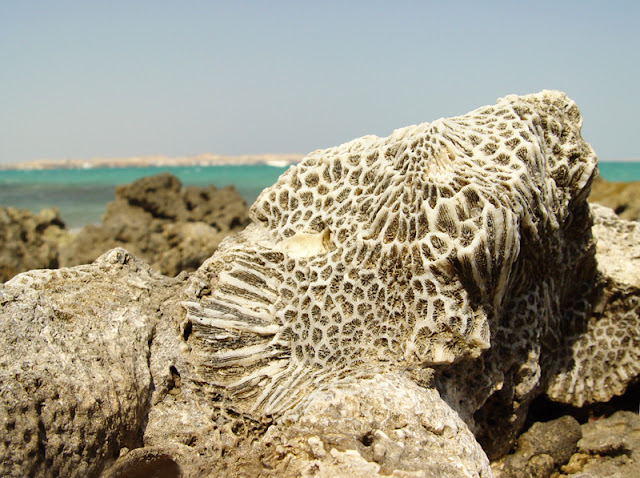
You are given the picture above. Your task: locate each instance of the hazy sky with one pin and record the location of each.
(123, 78)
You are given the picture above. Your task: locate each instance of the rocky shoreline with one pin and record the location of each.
(424, 331)
(205, 159)
(175, 229)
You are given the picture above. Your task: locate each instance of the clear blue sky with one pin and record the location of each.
(123, 78)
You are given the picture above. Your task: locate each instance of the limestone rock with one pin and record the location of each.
(158, 195)
(171, 227)
(28, 241)
(609, 436)
(75, 376)
(617, 248)
(541, 449)
(381, 426)
(622, 197)
(609, 447)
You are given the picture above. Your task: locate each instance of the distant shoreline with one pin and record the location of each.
(205, 159)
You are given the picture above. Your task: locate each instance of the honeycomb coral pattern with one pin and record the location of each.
(603, 356)
(391, 252)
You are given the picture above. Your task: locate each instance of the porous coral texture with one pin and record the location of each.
(463, 245)
(396, 303)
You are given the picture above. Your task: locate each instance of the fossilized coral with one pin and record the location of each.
(396, 303)
(461, 245)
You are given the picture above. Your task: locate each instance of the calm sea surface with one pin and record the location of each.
(82, 194)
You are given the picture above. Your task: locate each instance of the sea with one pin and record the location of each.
(81, 195)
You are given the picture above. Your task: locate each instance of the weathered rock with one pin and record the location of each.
(610, 436)
(557, 439)
(541, 449)
(28, 241)
(173, 228)
(381, 426)
(622, 197)
(394, 301)
(609, 447)
(75, 373)
(158, 195)
(186, 245)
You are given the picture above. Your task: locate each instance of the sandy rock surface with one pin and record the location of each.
(607, 446)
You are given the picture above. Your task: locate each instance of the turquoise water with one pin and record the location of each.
(82, 194)
(623, 171)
